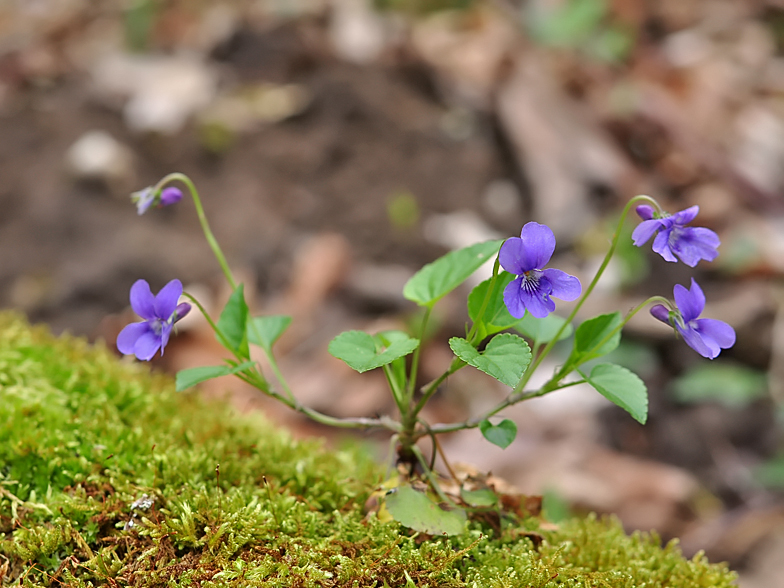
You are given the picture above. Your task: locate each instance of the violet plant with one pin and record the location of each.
(518, 295)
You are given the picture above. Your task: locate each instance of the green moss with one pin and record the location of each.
(108, 477)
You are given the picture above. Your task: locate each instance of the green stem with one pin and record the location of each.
(431, 388)
(415, 360)
(262, 382)
(486, 301)
(509, 401)
(397, 393)
(216, 250)
(532, 368)
(431, 476)
(279, 375)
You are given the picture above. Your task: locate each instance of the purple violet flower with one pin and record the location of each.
(674, 238)
(144, 199)
(706, 336)
(159, 312)
(531, 290)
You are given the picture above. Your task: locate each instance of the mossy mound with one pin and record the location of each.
(108, 477)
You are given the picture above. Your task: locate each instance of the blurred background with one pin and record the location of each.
(340, 144)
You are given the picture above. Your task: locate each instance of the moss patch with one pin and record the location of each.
(108, 477)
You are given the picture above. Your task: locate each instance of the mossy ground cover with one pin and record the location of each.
(110, 478)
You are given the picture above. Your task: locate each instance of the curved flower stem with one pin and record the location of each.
(216, 250)
(279, 376)
(486, 301)
(614, 243)
(628, 317)
(261, 381)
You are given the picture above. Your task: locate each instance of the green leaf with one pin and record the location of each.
(771, 473)
(415, 510)
(505, 357)
(570, 24)
(190, 377)
(232, 323)
(622, 387)
(542, 330)
(265, 330)
(484, 497)
(501, 434)
(437, 279)
(589, 339)
(360, 351)
(496, 317)
(734, 386)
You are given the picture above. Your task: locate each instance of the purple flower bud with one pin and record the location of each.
(182, 309)
(645, 212)
(170, 195)
(531, 290)
(661, 312)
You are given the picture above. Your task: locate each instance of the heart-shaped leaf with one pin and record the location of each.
(501, 434)
(190, 377)
(543, 330)
(437, 279)
(363, 353)
(232, 323)
(505, 357)
(265, 330)
(622, 387)
(495, 317)
(415, 510)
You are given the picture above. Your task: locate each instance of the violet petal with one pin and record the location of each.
(564, 286)
(684, 217)
(147, 345)
(661, 245)
(716, 330)
(167, 299)
(691, 244)
(126, 340)
(142, 300)
(690, 302)
(537, 302)
(538, 245)
(512, 298)
(645, 230)
(511, 256)
(696, 342)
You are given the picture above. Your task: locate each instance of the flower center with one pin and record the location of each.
(157, 327)
(530, 281)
